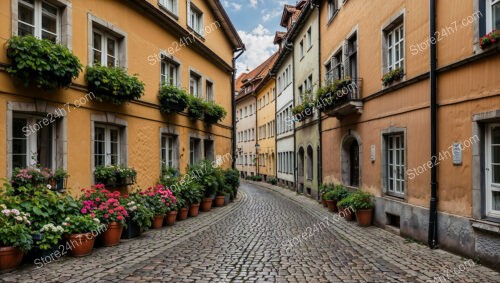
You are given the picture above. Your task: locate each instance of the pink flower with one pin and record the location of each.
(106, 216)
(84, 211)
(119, 217)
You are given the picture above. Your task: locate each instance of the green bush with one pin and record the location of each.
(172, 99)
(272, 180)
(214, 113)
(328, 195)
(324, 188)
(196, 108)
(340, 192)
(40, 62)
(113, 84)
(361, 200)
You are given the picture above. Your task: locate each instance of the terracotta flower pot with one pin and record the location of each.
(332, 206)
(219, 201)
(323, 201)
(182, 214)
(206, 204)
(158, 221)
(364, 217)
(10, 257)
(81, 244)
(194, 209)
(171, 217)
(346, 213)
(111, 237)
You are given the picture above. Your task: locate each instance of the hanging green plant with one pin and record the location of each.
(196, 107)
(113, 84)
(214, 113)
(392, 76)
(172, 99)
(41, 62)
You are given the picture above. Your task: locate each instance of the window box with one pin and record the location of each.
(393, 76)
(45, 64)
(196, 107)
(113, 84)
(172, 99)
(490, 39)
(213, 113)
(115, 176)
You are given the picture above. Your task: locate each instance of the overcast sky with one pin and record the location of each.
(256, 22)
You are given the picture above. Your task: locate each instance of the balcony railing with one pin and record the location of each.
(343, 98)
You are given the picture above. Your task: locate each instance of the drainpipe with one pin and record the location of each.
(433, 238)
(233, 107)
(320, 149)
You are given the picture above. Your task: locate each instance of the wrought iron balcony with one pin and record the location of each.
(343, 98)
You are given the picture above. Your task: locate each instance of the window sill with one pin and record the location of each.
(487, 225)
(394, 197)
(333, 17)
(200, 36)
(169, 13)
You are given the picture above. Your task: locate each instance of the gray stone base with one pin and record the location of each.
(455, 233)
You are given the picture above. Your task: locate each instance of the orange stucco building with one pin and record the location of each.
(379, 138)
(189, 42)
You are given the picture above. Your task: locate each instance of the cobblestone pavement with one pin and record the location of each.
(267, 235)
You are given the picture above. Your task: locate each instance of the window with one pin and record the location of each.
(169, 72)
(395, 164)
(195, 85)
(352, 57)
(492, 173)
(104, 49)
(168, 151)
(251, 109)
(106, 145)
(309, 163)
(332, 9)
(194, 150)
(31, 146)
(492, 15)
(309, 38)
(209, 153)
(38, 18)
(309, 83)
(337, 68)
(395, 47)
(301, 48)
(210, 91)
(196, 20)
(170, 5)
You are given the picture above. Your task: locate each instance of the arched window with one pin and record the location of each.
(309, 163)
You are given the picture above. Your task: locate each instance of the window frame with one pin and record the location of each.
(209, 90)
(392, 61)
(105, 36)
(169, 64)
(37, 25)
(391, 150)
(193, 76)
(489, 15)
(165, 5)
(193, 10)
(488, 171)
(107, 144)
(168, 150)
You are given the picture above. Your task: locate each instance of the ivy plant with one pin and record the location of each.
(196, 107)
(172, 99)
(113, 84)
(41, 62)
(214, 113)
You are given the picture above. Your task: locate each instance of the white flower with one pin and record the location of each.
(6, 212)
(67, 219)
(18, 218)
(49, 186)
(2, 206)
(97, 220)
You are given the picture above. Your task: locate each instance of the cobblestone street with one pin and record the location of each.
(247, 242)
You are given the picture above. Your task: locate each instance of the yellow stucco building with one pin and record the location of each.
(187, 43)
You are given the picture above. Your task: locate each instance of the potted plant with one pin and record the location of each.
(196, 108)
(181, 204)
(34, 176)
(113, 84)
(213, 113)
(172, 99)
(220, 198)
(323, 189)
(192, 193)
(208, 177)
(46, 241)
(363, 204)
(159, 201)
(105, 205)
(344, 206)
(139, 215)
(232, 178)
(392, 76)
(81, 232)
(41, 62)
(15, 237)
(489, 39)
(60, 178)
(330, 201)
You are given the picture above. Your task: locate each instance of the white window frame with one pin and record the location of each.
(490, 186)
(391, 150)
(107, 144)
(309, 38)
(168, 151)
(169, 72)
(170, 5)
(37, 18)
(104, 45)
(31, 138)
(195, 85)
(489, 14)
(394, 45)
(196, 19)
(209, 90)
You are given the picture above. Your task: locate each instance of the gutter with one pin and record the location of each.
(320, 126)
(233, 106)
(432, 239)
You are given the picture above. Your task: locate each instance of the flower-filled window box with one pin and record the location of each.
(115, 175)
(393, 76)
(172, 99)
(39, 176)
(113, 84)
(196, 107)
(214, 113)
(42, 63)
(489, 39)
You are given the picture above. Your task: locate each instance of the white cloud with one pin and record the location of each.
(259, 46)
(253, 3)
(232, 5)
(271, 14)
